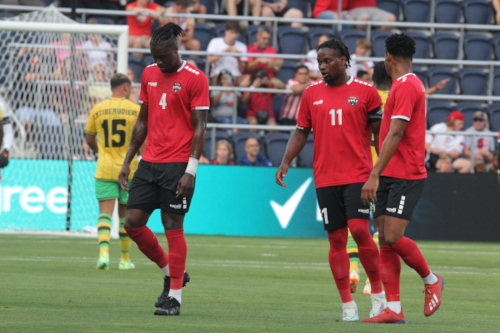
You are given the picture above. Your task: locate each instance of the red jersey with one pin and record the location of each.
(140, 25)
(322, 5)
(339, 119)
(406, 101)
(170, 97)
(268, 50)
(352, 4)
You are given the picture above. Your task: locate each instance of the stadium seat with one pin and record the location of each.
(468, 109)
(210, 4)
(496, 82)
(445, 46)
(473, 81)
(416, 10)
(148, 60)
(477, 47)
(102, 20)
(204, 34)
(423, 44)
(287, 71)
(447, 11)
(306, 155)
(494, 112)
(240, 139)
(278, 100)
(438, 73)
(378, 42)
(496, 45)
(391, 6)
(350, 37)
(135, 63)
(292, 40)
(220, 29)
(419, 72)
(276, 146)
(302, 5)
(477, 11)
(437, 111)
(315, 32)
(4, 15)
(207, 148)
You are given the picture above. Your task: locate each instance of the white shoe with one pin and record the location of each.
(378, 304)
(368, 289)
(354, 280)
(350, 313)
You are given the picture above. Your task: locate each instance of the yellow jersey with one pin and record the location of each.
(384, 94)
(112, 121)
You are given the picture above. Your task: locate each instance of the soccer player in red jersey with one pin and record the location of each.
(399, 176)
(173, 116)
(341, 110)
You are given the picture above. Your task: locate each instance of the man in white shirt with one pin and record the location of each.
(363, 47)
(228, 43)
(453, 145)
(483, 147)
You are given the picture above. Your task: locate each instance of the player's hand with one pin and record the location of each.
(441, 84)
(281, 174)
(123, 177)
(185, 187)
(4, 158)
(369, 190)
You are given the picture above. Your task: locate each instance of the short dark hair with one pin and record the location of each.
(380, 76)
(259, 73)
(341, 48)
(184, 3)
(166, 33)
(119, 79)
(233, 25)
(400, 45)
(300, 67)
(360, 73)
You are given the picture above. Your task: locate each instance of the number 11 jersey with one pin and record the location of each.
(340, 119)
(170, 98)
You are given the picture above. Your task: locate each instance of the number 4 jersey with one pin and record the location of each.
(340, 119)
(112, 121)
(170, 98)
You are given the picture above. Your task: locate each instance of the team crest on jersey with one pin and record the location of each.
(177, 86)
(353, 100)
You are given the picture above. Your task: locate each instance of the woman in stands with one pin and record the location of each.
(223, 101)
(223, 153)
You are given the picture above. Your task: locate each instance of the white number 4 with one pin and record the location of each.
(163, 101)
(339, 113)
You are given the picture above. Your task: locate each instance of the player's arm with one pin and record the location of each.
(139, 134)
(185, 187)
(375, 127)
(396, 131)
(374, 120)
(293, 148)
(91, 142)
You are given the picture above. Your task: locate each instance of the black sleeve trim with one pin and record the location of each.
(374, 116)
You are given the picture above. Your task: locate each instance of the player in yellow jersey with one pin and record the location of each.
(112, 122)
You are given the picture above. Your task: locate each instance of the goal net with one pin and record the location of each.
(52, 71)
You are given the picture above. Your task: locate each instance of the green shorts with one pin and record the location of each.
(105, 190)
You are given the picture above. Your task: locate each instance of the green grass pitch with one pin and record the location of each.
(50, 284)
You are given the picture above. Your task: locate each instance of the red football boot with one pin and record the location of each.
(387, 317)
(433, 296)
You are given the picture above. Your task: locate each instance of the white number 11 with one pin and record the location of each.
(339, 113)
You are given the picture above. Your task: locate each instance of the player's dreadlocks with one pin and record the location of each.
(400, 45)
(380, 76)
(338, 45)
(164, 34)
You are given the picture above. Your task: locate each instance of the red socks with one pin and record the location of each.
(368, 252)
(390, 271)
(148, 244)
(339, 262)
(177, 252)
(411, 255)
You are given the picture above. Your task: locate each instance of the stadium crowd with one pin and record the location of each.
(446, 153)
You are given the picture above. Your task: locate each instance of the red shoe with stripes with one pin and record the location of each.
(387, 317)
(433, 296)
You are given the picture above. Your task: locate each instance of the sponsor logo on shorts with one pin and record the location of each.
(364, 211)
(179, 206)
(177, 86)
(391, 210)
(153, 84)
(353, 100)
(318, 102)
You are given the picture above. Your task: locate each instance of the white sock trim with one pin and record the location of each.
(394, 306)
(430, 279)
(177, 294)
(166, 270)
(351, 303)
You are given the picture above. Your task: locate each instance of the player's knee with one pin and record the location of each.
(338, 240)
(391, 239)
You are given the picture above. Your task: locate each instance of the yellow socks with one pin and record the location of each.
(104, 228)
(125, 241)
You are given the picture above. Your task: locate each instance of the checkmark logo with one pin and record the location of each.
(284, 213)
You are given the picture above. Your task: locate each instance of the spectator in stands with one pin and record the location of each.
(187, 24)
(96, 53)
(364, 76)
(235, 7)
(453, 145)
(366, 10)
(326, 9)
(223, 101)
(438, 86)
(223, 153)
(228, 43)
(483, 147)
(252, 157)
(312, 59)
(270, 65)
(134, 94)
(273, 8)
(140, 25)
(290, 111)
(260, 105)
(198, 8)
(363, 47)
(496, 6)
(445, 164)
(98, 89)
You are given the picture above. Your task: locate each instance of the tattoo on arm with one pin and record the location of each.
(139, 134)
(199, 121)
